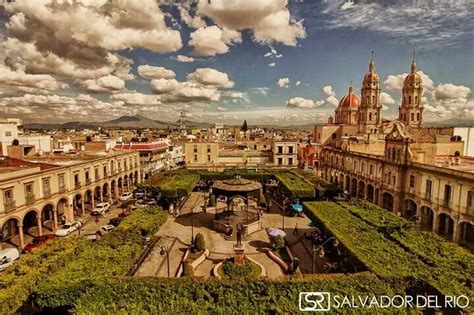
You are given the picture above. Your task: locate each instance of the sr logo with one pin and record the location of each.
(315, 301)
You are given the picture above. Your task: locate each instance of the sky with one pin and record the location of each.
(272, 62)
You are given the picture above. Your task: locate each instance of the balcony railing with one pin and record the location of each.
(77, 185)
(9, 206)
(30, 199)
(97, 177)
(447, 203)
(62, 188)
(46, 193)
(428, 196)
(88, 181)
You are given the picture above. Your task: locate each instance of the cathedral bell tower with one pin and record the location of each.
(369, 110)
(411, 110)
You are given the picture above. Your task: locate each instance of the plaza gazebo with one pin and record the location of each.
(241, 198)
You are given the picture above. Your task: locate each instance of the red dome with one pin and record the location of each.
(350, 100)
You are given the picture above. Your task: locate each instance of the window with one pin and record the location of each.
(373, 99)
(280, 149)
(334, 136)
(412, 116)
(418, 117)
(8, 133)
(371, 169)
(280, 161)
(448, 191)
(470, 200)
(208, 149)
(429, 184)
(28, 190)
(290, 149)
(61, 181)
(195, 148)
(87, 174)
(409, 100)
(290, 161)
(96, 171)
(209, 158)
(8, 196)
(195, 158)
(76, 178)
(412, 181)
(105, 170)
(46, 188)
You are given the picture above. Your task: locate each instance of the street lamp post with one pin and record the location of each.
(165, 251)
(320, 249)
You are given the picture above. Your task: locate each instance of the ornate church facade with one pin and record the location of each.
(415, 171)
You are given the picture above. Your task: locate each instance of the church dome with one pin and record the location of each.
(413, 79)
(350, 100)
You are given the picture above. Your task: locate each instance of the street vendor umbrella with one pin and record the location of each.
(296, 207)
(274, 232)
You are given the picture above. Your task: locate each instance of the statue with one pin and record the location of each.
(240, 229)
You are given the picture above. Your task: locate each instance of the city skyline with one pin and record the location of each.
(269, 62)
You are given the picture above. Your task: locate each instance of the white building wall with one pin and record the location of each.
(8, 132)
(467, 135)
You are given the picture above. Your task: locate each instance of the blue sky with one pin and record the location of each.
(322, 45)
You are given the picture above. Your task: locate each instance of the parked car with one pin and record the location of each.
(93, 236)
(7, 257)
(139, 193)
(140, 203)
(101, 208)
(68, 228)
(126, 196)
(132, 208)
(150, 202)
(37, 242)
(104, 229)
(124, 214)
(115, 221)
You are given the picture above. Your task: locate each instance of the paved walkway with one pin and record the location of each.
(176, 234)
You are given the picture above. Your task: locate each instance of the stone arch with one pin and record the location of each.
(361, 190)
(98, 194)
(370, 193)
(466, 233)
(427, 216)
(120, 185)
(32, 223)
(387, 201)
(445, 225)
(113, 189)
(78, 205)
(48, 217)
(11, 232)
(354, 187)
(410, 208)
(347, 186)
(88, 201)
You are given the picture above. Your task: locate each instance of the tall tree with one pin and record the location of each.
(244, 127)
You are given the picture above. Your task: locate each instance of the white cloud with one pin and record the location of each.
(386, 99)
(450, 91)
(329, 91)
(211, 77)
(182, 58)
(221, 109)
(332, 100)
(272, 64)
(79, 39)
(298, 83)
(421, 23)
(394, 83)
(300, 102)
(212, 40)
(104, 84)
(171, 90)
(152, 72)
(136, 98)
(23, 81)
(283, 82)
(269, 20)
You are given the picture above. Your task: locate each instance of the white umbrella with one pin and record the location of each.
(274, 232)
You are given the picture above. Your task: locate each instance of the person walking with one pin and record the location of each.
(295, 230)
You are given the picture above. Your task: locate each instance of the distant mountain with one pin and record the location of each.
(136, 121)
(452, 122)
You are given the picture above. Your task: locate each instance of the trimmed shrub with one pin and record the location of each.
(212, 200)
(278, 242)
(199, 242)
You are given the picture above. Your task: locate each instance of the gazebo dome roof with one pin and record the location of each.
(237, 184)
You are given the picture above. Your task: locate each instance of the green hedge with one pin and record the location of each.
(376, 252)
(451, 266)
(174, 184)
(112, 255)
(227, 174)
(197, 296)
(295, 185)
(392, 247)
(22, 278)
